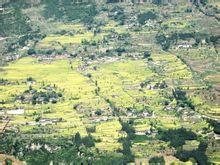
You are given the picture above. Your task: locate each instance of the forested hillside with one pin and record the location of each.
(14, 23)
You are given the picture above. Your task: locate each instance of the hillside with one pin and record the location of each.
(109, 82)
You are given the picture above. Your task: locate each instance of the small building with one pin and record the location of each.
(32, 123)
(1, 9)
(185, 44)
(140, 133)
(48, 121)
(99, 119)
(217, 136)
(151, 132)
(146, 114)
(16, 112)
(150, 87)
(169, 108)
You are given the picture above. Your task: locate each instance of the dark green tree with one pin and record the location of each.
(78, 139)
(88, 141)
(157, 160)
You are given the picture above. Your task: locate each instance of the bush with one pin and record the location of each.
(157, 160)
(147, 54)
(176, 137)
(98, 112)
(188, 10)
(199, 154)
(118, 14)
(129, 129)
(88, 141)
(91, 129)
(146, 16)
(182, 99)
(157, 2)
(163, 41)
(215, 125)
(30, 79)
(31, 51)
(120, 50)
(77, 139)
(8, 162)
(127, 154)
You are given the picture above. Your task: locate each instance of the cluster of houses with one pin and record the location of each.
(37, 146)
(45, 121)
(185, 44)
(152, 86)
(130, 114)
(98, 119)
(84, 67)
(16, 111)
(4, 82)
(47, 59)
(151, 132)
(40, 97)
(19, 111)
(12, 57)
(144, 114)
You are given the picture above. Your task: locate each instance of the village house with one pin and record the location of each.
(140, 133)
(4, 119)
(131, 113)
(12, 57)
(51, 148)
(1, 9)
(100, 119)
(169, 108)
(34, 146)
(45, 121)
(146, 114)
(185, 44)
(19, 111)
(32, 123)
(48, 121)
(151, 132)
(150, 87)
(216, 136)
(146, 132)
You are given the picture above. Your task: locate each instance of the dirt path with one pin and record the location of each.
(15, 161)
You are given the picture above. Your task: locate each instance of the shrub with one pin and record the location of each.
(146, 16)
(30, 79)
(157, 160)
(176, 137)
(157, 2)
(31, 51)
(8, 161)
(98, 112)
(147, 54)
(91, 129)
(163, 41)
(88, 141)
(127, 154)
(77, 139)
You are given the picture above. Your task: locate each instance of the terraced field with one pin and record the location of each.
(119, 86)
